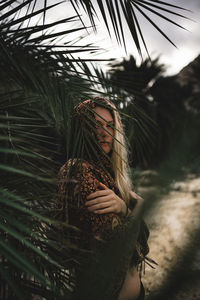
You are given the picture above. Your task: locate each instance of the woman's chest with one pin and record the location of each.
(105, 177)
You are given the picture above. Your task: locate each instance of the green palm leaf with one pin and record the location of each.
(35, 107)
(114, 11)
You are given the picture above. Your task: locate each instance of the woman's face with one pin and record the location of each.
(103, 127)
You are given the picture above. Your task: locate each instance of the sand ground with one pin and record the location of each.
(174, 223)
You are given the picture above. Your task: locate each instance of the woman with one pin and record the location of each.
(96, 192)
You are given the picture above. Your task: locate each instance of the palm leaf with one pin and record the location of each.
(114, 11)
(20, 21)
(13, 284)
(29, 151)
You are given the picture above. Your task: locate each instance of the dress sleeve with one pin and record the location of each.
(74, 186)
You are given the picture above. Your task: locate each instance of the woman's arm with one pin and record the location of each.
(138, 204)
(106, 201)
(73, 192)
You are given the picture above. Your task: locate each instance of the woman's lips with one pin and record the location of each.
(104, 143)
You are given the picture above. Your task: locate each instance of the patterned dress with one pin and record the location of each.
(76, 181)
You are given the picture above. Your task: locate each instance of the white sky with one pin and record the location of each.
(188, 42)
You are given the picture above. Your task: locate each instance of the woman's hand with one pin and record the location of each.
(140, 201)
(105, 201)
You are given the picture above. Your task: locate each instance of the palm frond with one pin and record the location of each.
(114, 11)
(18, 239)
(37, 96)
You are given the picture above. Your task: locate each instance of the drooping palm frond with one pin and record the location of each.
(26, 252)
(115, 13)
(37, 94)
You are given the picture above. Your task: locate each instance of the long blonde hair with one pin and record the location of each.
(120, 157)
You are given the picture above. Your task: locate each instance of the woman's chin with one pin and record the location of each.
(106, 148)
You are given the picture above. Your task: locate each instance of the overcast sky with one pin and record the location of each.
(188, 42)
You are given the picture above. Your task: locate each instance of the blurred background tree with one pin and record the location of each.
(170, 101)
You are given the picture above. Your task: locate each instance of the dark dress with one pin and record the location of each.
(78, 180)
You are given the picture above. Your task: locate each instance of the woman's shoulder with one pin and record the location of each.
(77, 162)
(75, 165)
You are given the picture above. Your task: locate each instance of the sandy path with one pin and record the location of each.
(174, 222)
